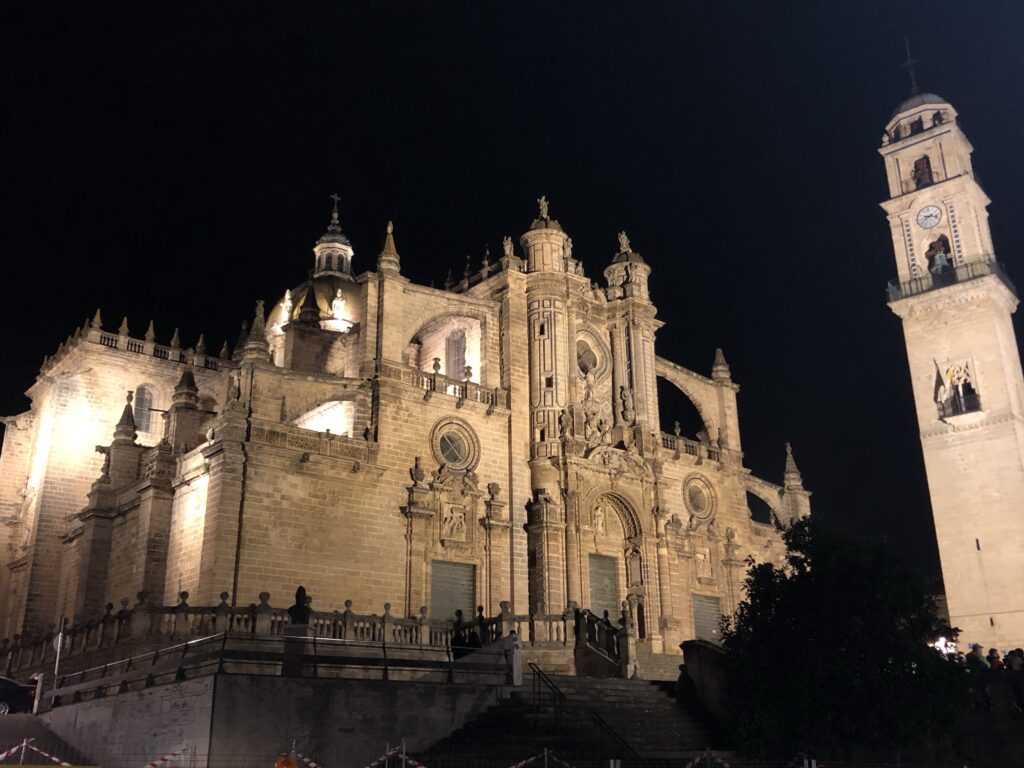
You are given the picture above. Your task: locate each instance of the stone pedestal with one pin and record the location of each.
(298, 644)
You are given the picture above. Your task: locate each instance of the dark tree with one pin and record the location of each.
(830, 653)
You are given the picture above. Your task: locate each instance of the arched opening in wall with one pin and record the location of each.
(916, 126)
(455, 354)
(334, 416)
(938, 255)
(454, 342)
(142, 405)
(760, 512)
(674, 406)
(922, 173)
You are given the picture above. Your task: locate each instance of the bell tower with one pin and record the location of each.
(956, 303)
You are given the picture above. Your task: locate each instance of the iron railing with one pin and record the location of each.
(949, 276)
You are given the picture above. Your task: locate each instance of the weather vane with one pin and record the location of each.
(909, 66)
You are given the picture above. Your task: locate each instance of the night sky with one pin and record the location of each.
(174, 162)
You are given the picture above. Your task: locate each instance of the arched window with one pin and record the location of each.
(922, 174)
(455, 354)
(916, 126)
(329, 261)
(142, 405)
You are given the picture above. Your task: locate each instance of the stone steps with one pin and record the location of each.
(645, 714)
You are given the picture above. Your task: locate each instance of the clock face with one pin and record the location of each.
(929, 216)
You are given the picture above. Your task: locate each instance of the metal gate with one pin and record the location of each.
(604, 586)
(707, 618)
(452, 586)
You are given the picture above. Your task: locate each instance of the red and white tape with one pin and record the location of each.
(47, 755)
(551, 759)
(307, 761)
(13, 750)
(167, 758)
(380, 760)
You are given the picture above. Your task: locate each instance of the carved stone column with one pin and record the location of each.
(496, 541)
(545, 539)
(572, 549)
(419, 514)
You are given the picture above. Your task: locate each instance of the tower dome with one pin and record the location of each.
(333, 250)
(917, 114)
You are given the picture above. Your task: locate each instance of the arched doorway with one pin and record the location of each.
(615, 567)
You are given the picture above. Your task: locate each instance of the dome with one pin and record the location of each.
(325, 287)
(333, 235)
(918, 100)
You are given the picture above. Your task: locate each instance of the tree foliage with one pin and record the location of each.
(829, 653)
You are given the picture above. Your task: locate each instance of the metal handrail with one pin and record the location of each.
(972, 270)
(561, 703)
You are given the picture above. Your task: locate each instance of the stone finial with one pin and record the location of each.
(720, 370)
(97, 321)
(449, 281)
(225, 353)
(256, 347)
(176, 339)
(150, 332)
(467, 270)
(309, 312)
(123, 329)
(240, 344)
(201, 345)
(791, 475)
(388, 259)
(186, 393)
(125, 431)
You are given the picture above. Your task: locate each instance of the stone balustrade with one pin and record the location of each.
(438, 383)
(683, 445)
(128, 630)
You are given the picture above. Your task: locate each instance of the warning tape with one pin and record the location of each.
(551, 759)
(14, 749)
(307, 761)
(166, 758)
(55, 759)
(380, 760)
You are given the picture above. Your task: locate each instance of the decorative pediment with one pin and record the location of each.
(619, 461)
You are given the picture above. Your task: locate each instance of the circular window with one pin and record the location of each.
(453, 447)
(699, 498)
(585, 357)
(454, 444)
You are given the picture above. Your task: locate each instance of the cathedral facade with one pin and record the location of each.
(381, 441)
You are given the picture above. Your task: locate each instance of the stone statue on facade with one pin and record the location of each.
(623, 243)
(286, 308)
(506, 247)
(565, 423)
(598, 515)
(493, 491)
(628, 412)
(542, 204)
(338, 306)
(568, 248)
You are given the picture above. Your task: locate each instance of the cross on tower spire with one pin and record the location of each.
(909, 66)
(334, 213)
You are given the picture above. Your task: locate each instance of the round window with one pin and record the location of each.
(454, 444)
(699, 498)
(585, 357)
(453, 447)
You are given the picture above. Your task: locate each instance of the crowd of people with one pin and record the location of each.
(984, 667)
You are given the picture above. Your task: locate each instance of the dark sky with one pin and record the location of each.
(173, 161)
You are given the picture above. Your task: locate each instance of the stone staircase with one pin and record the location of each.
(655, 725)
(14, 729)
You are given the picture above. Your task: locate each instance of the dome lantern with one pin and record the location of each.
(333, 250)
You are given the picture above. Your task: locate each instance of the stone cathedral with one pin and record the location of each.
(955, 303)
(381, 441)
